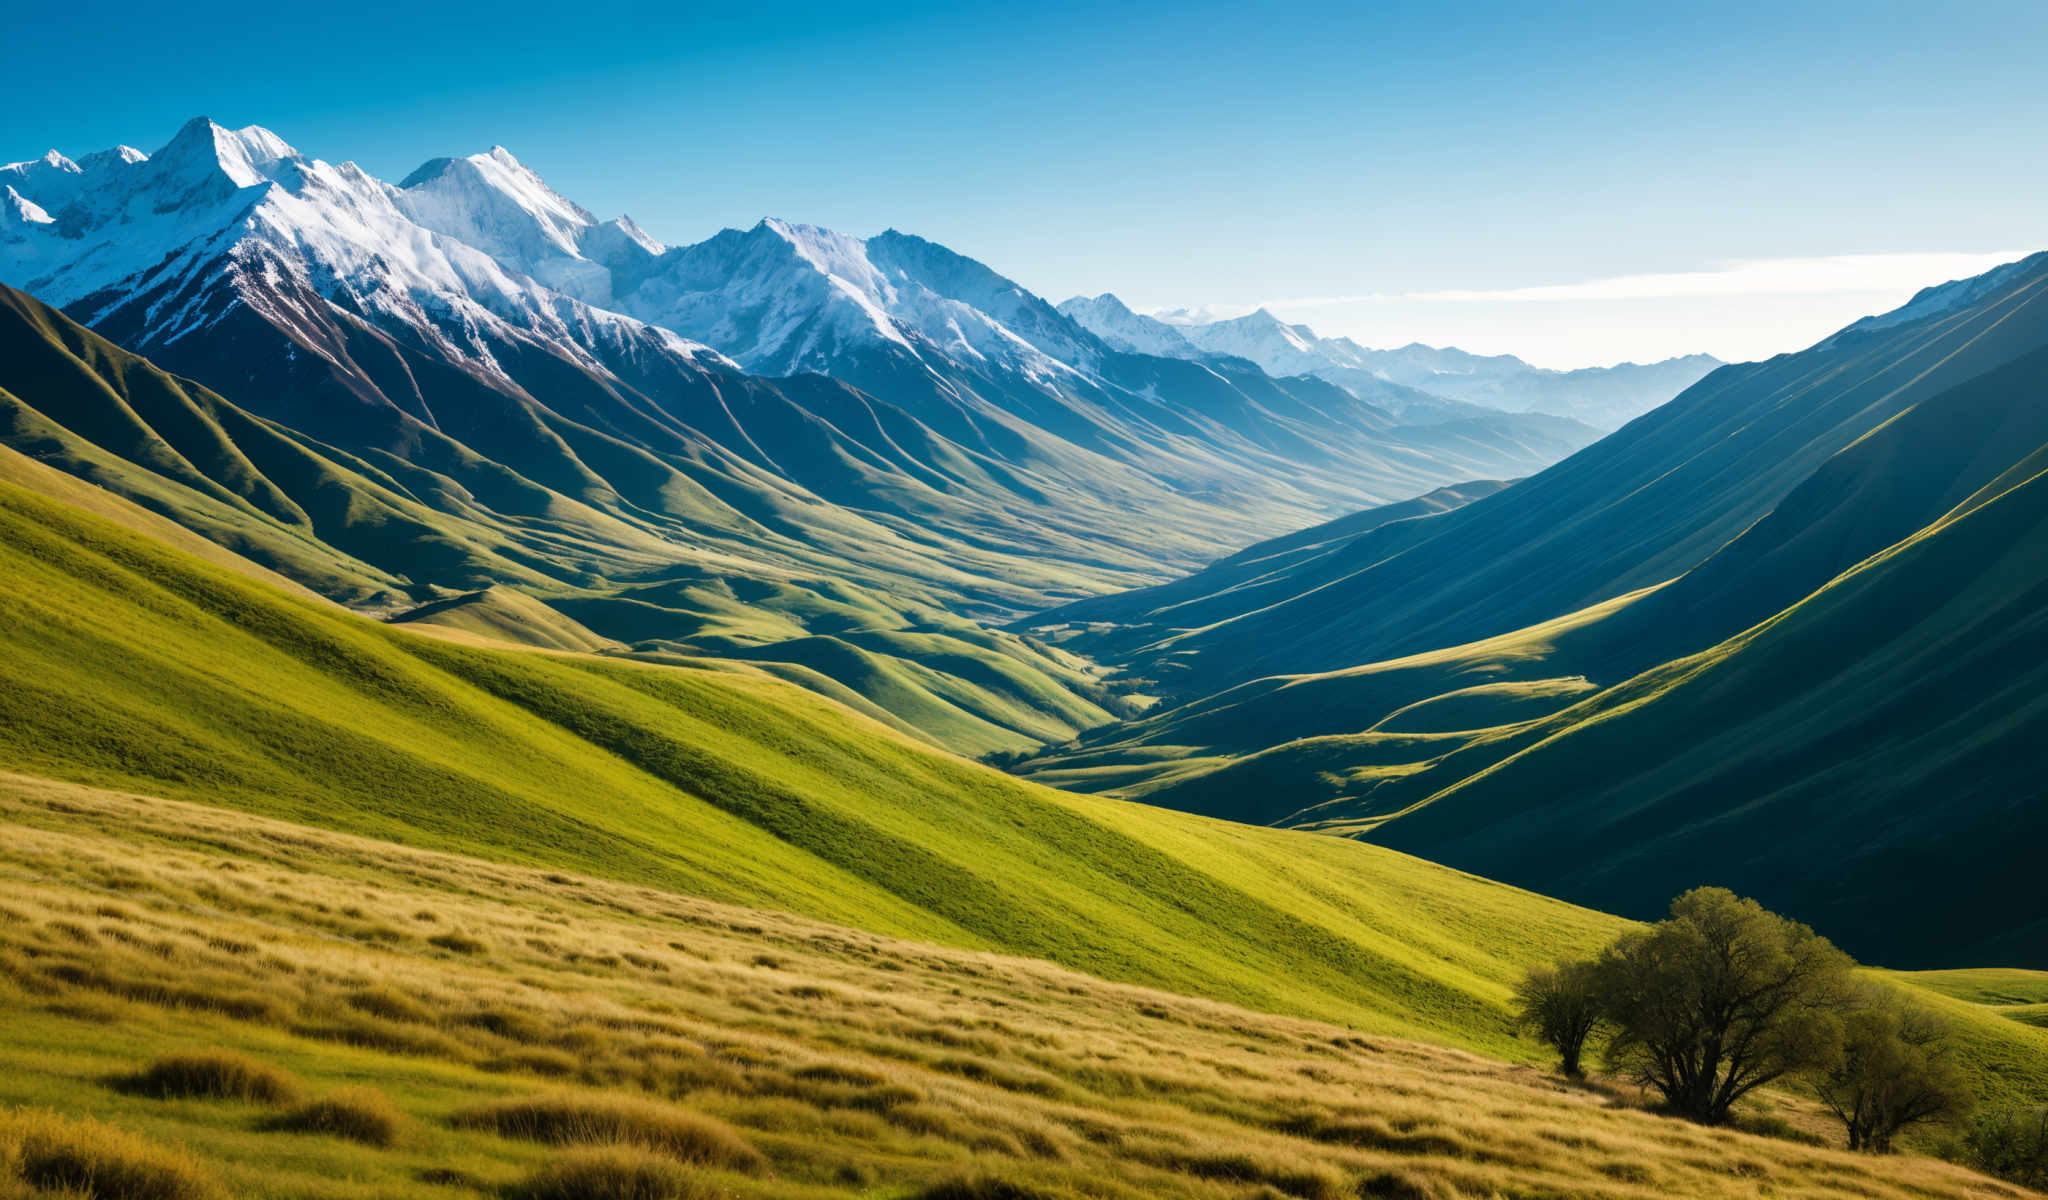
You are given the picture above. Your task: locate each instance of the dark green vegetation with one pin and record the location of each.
(594, 1038)
(1783, 634)
(1722, 998)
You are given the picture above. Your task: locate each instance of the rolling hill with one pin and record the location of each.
(1840, 697)
(479, 879)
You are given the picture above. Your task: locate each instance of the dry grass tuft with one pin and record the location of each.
(360, 1114)
(214, 1074)
(1403, 1185)
(567, 1118)
(610, 1173)
(84, 1158)
(985, 1187)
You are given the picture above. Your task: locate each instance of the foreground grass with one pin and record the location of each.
(534, 1033)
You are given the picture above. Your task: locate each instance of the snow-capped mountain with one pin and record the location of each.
(1131, 332)
(1604, 396)
(492, 202)
(474, 315)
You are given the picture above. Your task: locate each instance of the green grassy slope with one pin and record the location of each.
(131, 665)
(389, 532)
(1887, 726)
(506, 614)
(1842, 697)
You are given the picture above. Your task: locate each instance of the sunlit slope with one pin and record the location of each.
(837, 1061)
(132, 665)
(1844, 696)
(1641, 506)
(1886, 729)
(391, 532)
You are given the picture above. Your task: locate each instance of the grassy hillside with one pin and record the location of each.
(464, 1024)
(130, 665)
(433, 531)
(1843, 696)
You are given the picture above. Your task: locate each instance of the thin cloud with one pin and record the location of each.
(1836, 275)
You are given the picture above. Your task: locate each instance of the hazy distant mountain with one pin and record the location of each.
(1606, 397)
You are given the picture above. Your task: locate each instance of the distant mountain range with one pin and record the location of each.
(1416, 381)
(1782, 634)
(832, 455)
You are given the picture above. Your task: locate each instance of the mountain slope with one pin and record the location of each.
(1887, 725)
(719, 782)
(384, 532)
(1842, 697)
(1640, 507)
(419, 360)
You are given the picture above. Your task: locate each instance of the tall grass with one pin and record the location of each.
(564, 1063)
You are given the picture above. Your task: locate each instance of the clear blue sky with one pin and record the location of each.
(1179, 154)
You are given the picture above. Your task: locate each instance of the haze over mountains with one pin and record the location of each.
(1418, 381)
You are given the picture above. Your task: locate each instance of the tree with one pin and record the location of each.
(2011, 1144)
(1894, 1068)
(1562, 1004)
(1718, 1000)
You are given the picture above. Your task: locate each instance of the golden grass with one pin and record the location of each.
(817, 1060)
(564, 1118)
(623, 1172)
(360, 1114)
(214, 1074)
(87, 1158)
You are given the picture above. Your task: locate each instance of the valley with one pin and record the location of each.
(515, 708)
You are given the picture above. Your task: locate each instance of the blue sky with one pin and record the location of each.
(1473, 174)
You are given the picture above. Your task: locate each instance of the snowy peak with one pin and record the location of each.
(1110, 319)
(1946, 297)
(497, 204)
(247, 157)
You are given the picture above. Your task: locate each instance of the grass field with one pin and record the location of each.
(225, 1004)
(133, 666)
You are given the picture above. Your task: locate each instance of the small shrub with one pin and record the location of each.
(609, 1173)
(1771, 1125)
(88, 1158)
(215, 1074)
(568, 1118)
(360, 1114)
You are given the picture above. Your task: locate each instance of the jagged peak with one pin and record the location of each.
(51, 159)
(246, 156)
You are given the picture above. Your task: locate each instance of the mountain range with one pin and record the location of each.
(1419, 382)
(836, 455)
